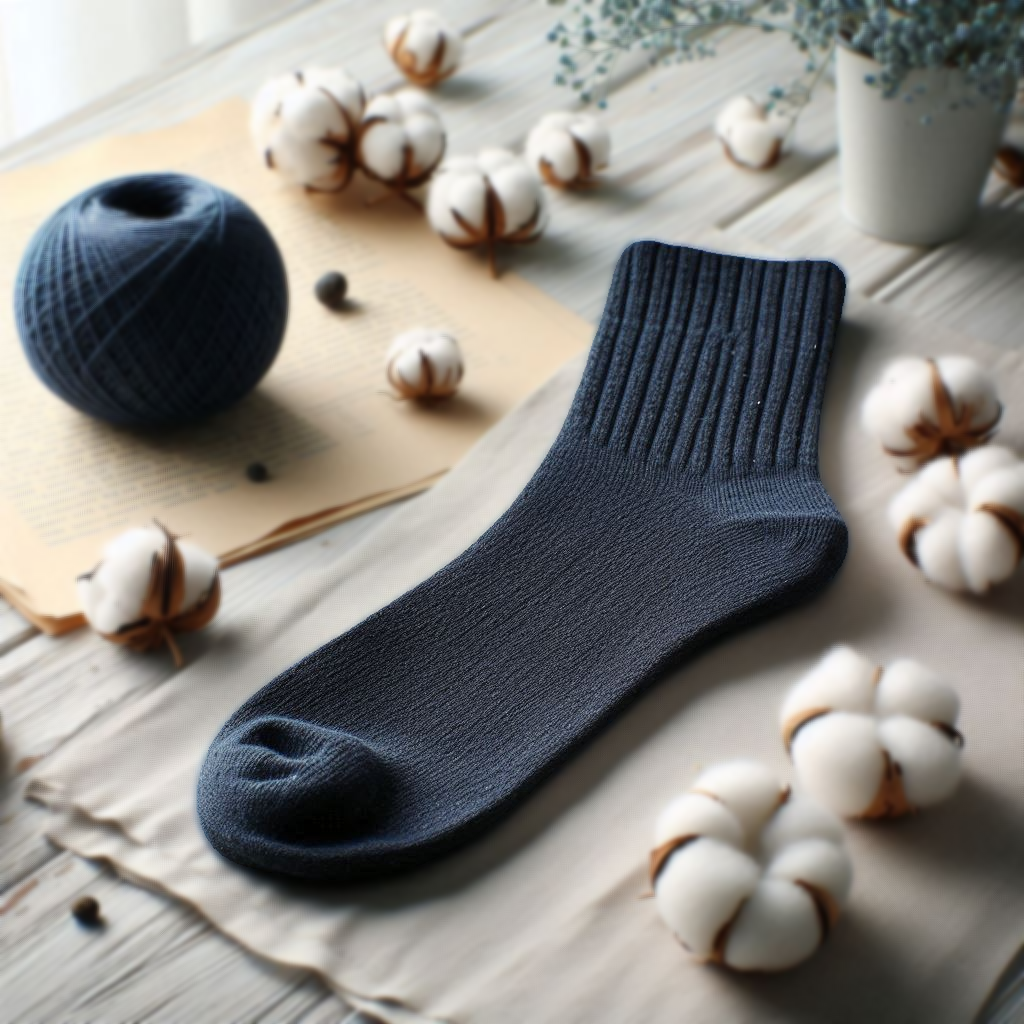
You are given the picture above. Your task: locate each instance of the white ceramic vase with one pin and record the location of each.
(913, 172)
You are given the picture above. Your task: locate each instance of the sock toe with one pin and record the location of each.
(276, 781)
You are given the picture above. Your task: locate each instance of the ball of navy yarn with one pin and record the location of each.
(152, 300)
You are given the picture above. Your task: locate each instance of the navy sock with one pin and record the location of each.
(681, 500)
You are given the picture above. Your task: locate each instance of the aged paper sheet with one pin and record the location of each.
(322, 421)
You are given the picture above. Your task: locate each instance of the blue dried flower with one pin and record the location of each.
(984, 39)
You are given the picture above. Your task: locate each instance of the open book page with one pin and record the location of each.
(334, 439)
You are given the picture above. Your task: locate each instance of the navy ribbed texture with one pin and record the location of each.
(152, 300)
(680, 500)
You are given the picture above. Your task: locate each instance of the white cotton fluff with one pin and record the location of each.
(568, 149)
(922, 408)
(960, 520)
(750, 135)
(305, 126)
(483, 200)
(424, 363)
(402, 139)
(423, 46)
(873, 742)
(745, 875)
(112, 595)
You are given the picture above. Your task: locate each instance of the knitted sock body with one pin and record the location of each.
(680, 501)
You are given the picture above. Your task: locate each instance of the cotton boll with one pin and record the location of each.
(566, 150)
(924, 408)
(485, 200)
(750, 136)
(147, 587)
(305, 126)
(701, 888)
(839, 761)
(402, 139)
(423, 46)
(961, 519)
(778, 928)
(750, 898)
(424, 364)
(903, 755)
(749, 789)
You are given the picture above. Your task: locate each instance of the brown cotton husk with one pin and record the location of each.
(891, 799)
(494, 229)
(660, 856)
(583, 177)
(952, 433)
(432, 74)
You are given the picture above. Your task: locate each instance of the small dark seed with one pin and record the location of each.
(257, 472)
(331, 290)
(86, 910)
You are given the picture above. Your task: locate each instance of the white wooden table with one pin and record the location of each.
(156, 960)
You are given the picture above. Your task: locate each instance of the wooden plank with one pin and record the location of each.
(15, 629)
(152, 960)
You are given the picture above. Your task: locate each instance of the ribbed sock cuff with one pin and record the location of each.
(711, 362)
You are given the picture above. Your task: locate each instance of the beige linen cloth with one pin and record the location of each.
(543, 922)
